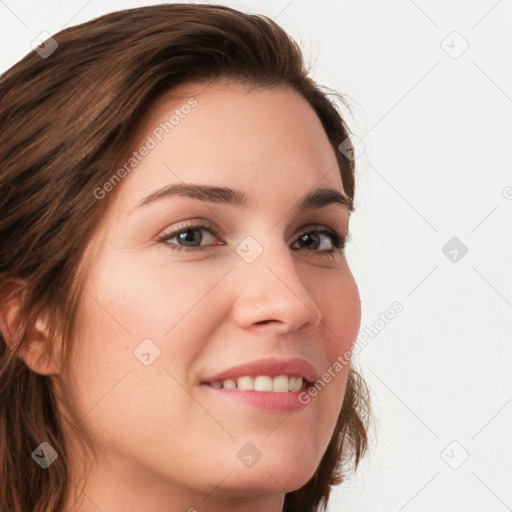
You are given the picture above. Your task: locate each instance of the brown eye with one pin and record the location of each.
(192, 236)
(321, 240)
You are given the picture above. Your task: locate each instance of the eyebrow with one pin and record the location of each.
(318, 198)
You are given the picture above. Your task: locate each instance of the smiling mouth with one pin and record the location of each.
(263, 383)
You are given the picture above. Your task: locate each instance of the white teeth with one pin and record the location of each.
(262, 383)
(279, 384)
(245, 383)
(228, 384)
(297, 385)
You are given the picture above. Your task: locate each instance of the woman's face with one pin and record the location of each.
(164, 315)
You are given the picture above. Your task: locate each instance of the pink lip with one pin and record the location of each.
(269, 366)
(267, 401)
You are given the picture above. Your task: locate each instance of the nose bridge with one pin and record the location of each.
(270, 289)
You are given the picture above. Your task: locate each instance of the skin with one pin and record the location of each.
(163, 442)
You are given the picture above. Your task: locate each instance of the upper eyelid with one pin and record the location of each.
(202, 225)
(184, 226)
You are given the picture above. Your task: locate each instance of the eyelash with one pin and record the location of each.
(338, 242)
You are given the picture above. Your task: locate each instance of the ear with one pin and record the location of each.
(35, 351)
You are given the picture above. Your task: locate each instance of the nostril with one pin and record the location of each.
(263, 322)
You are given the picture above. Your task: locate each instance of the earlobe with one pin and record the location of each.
(35, 350)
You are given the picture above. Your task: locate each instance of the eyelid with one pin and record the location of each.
(324, 228)
(203, 223)
(320, 227)
(338, 240)
(190, 224)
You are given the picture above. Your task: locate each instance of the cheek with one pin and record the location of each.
(150, 298)
(126, 301)
(341, 308)
(121, 306)
(342, 316)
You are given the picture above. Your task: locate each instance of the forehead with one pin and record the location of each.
(227, 134)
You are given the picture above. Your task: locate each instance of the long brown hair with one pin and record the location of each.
(67, 121)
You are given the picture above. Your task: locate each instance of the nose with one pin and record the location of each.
(272, 296)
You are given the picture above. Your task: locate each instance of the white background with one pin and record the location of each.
(436, 164)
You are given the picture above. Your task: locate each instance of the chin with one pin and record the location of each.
(283, 467)
(266, 481)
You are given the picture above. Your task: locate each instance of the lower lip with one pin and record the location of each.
(267, 401)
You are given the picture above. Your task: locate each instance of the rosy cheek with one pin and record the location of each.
(343, 312)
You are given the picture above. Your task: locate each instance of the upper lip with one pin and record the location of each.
(268, 366)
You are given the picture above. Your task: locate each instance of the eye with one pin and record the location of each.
(189, 238)
(321, 240)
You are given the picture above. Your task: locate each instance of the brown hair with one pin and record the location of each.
(67, 122)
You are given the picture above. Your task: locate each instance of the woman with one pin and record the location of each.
(177, 313)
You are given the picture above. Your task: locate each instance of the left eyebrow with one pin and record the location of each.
(318, 198)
